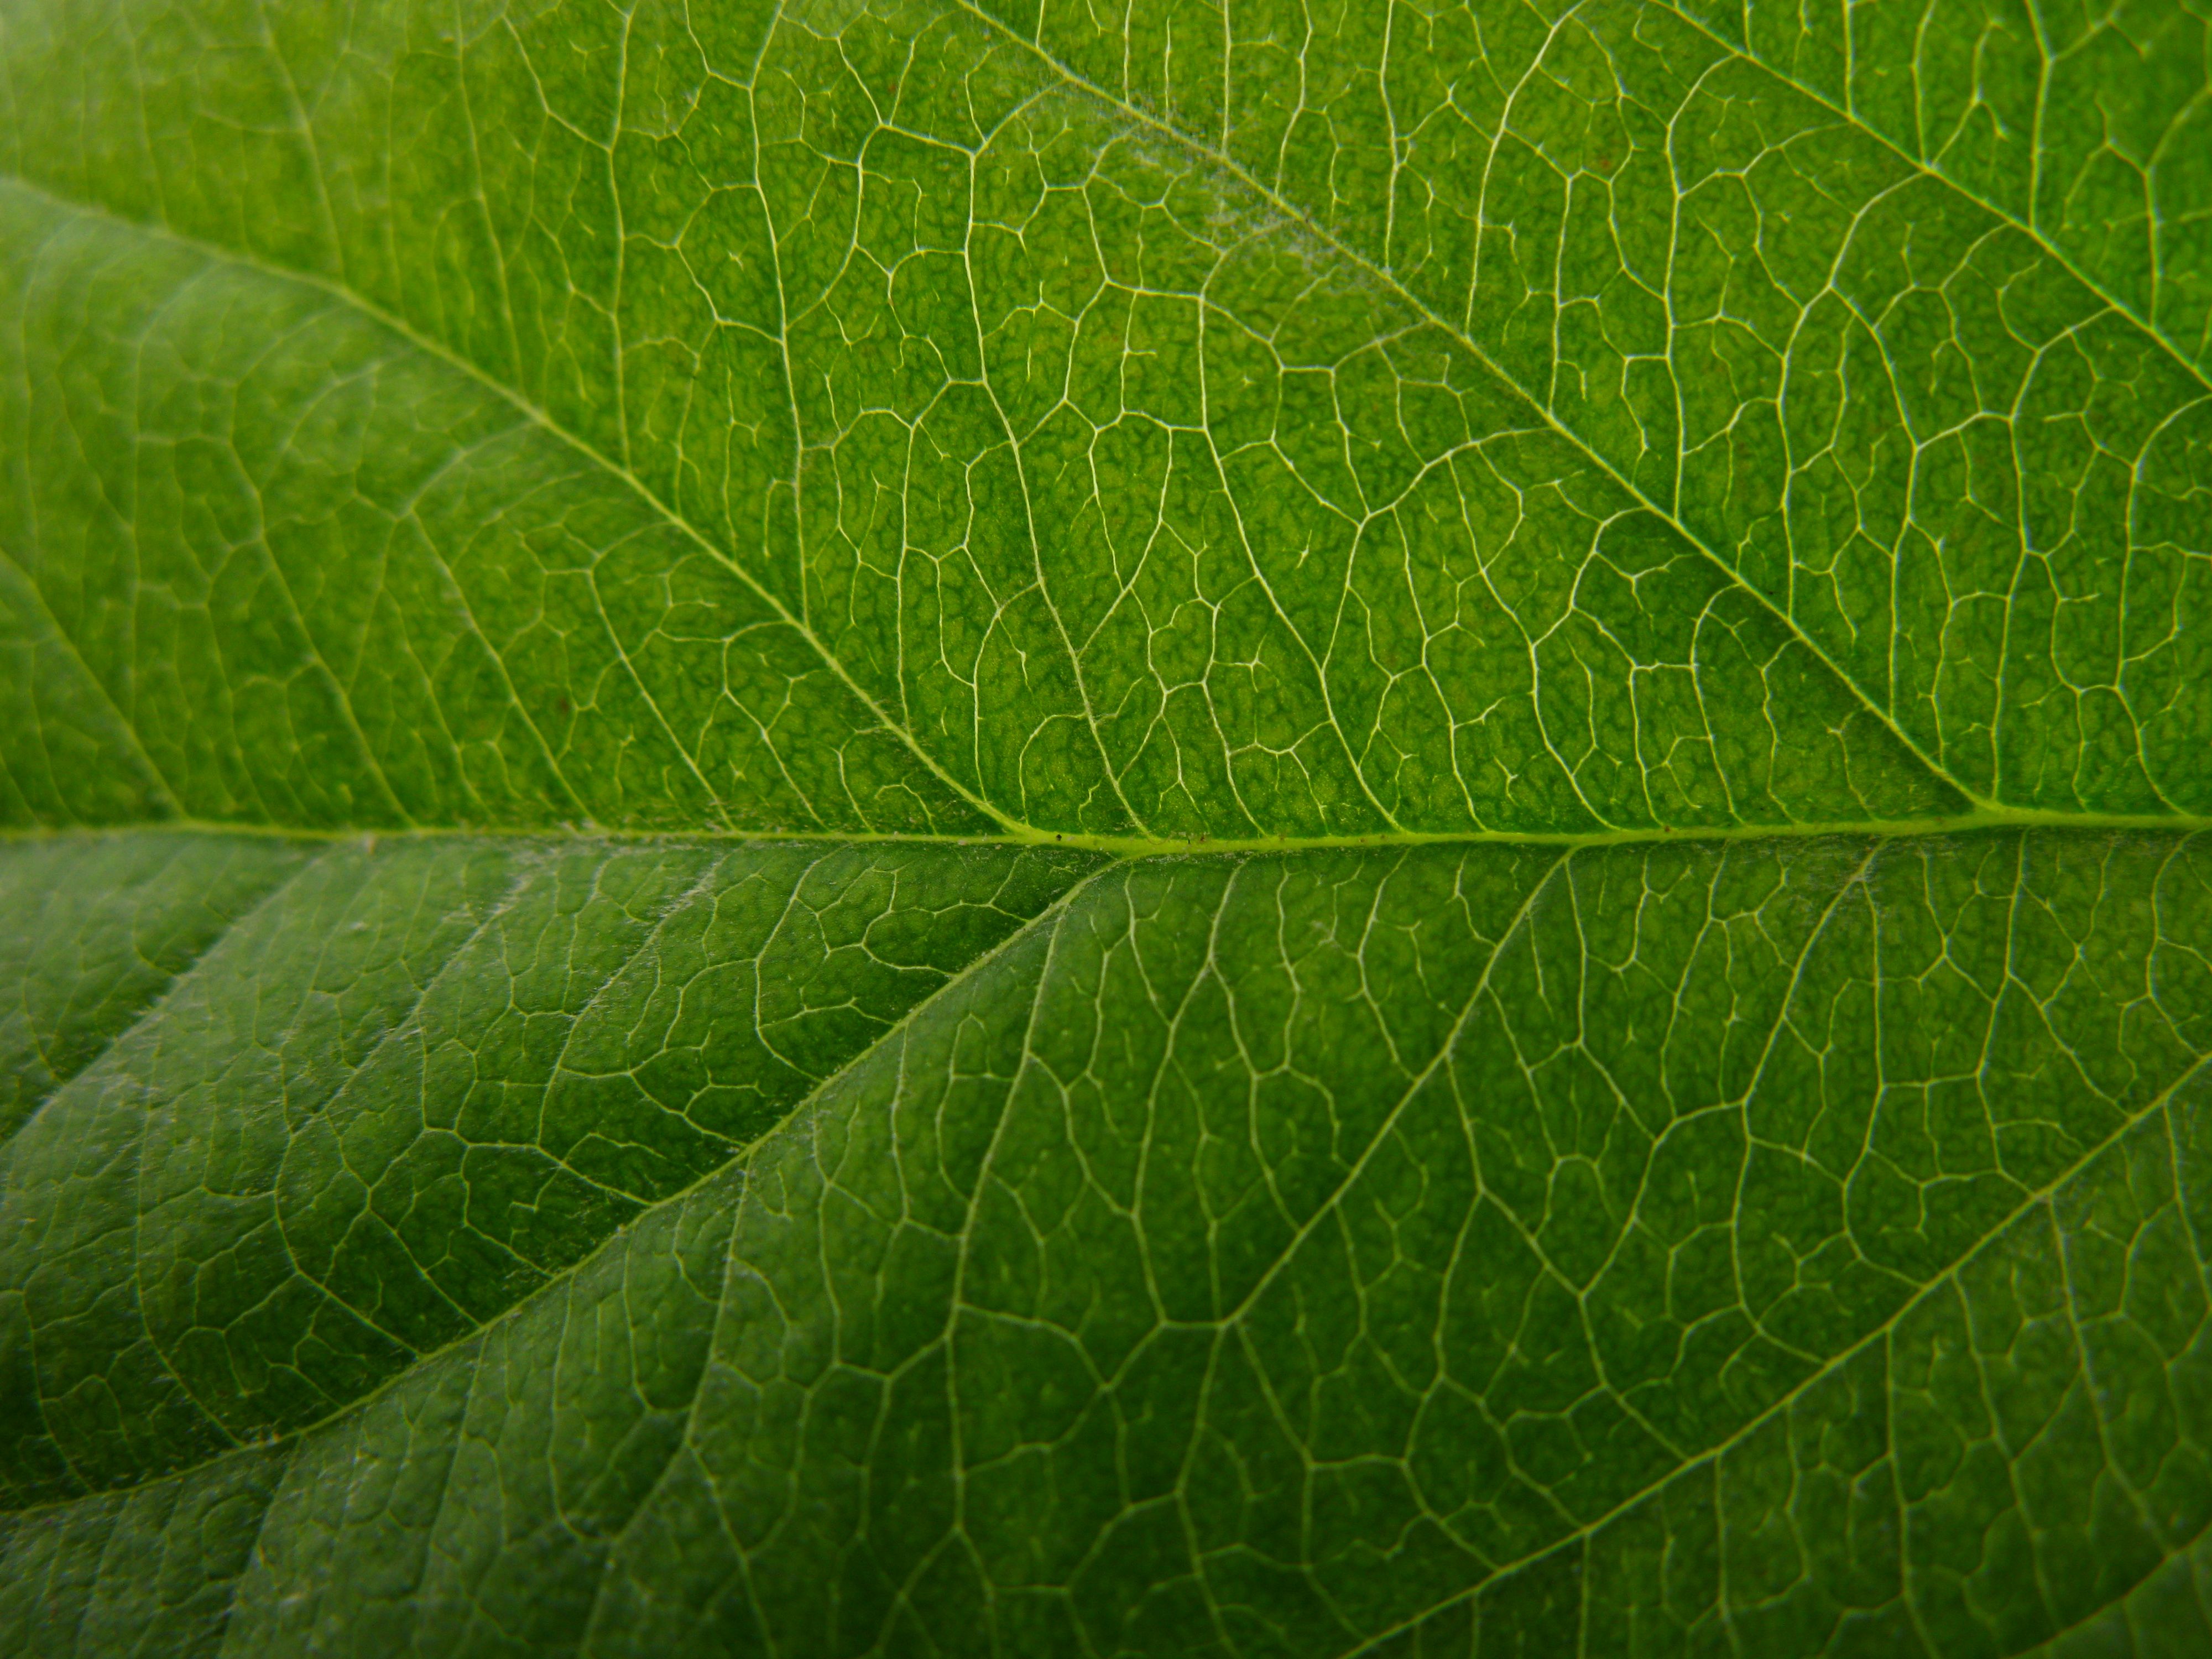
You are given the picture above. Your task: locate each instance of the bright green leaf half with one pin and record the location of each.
(687, 579)
(1650, 444)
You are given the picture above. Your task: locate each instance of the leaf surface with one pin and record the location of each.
(917, 827)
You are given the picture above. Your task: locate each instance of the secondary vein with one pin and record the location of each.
(539, 417)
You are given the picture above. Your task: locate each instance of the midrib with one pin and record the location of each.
(1996, 819)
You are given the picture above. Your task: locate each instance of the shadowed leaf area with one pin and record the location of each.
(904, 829)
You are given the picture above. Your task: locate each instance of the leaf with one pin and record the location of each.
(896, 828)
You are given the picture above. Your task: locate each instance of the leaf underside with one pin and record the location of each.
(1257, 829)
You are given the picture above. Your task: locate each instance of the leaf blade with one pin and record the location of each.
(1484, 916)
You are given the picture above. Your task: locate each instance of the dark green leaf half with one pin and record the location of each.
(1801, 1241)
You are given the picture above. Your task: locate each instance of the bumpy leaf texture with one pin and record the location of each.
(1279, 828)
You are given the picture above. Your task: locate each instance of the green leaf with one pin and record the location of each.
(903, 827)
